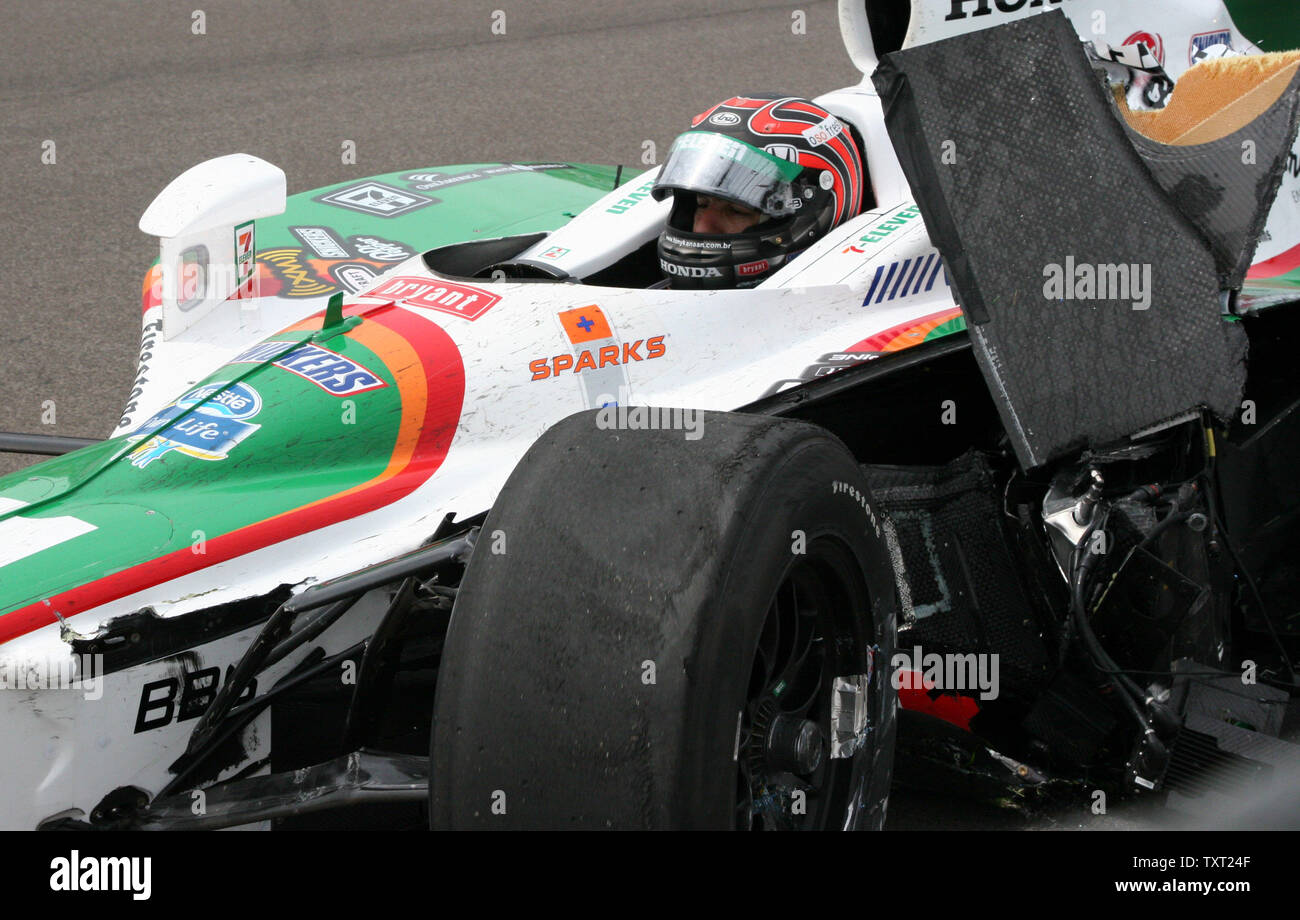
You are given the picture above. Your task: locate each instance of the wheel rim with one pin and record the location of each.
(817, 629)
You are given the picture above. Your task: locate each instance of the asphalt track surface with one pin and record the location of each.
(131, 97)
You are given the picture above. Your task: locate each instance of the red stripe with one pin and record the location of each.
(1278, 265)
(842, 144)
(445, 375)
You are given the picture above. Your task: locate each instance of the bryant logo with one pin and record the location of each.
(985, 7)
(436, 294)
(689, 271)
(752, 268)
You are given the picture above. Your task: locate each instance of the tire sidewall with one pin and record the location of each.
(819, 492)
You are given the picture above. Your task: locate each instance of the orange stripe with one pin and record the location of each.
(401, 359)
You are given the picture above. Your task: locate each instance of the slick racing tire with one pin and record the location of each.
(672, 629)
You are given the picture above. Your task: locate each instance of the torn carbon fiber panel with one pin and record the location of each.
(1220, 147)
(1093, 303)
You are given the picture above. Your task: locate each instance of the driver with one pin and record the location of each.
(756, 180)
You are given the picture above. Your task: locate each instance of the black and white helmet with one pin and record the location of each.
(783, 156)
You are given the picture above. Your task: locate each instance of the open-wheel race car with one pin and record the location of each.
(432, 501)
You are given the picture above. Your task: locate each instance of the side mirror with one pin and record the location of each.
(204, 221)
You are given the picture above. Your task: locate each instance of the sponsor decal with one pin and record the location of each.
(296, 275)
(585, 324)
(379, 249)
(435, 294)
(905, 279)
(633, 198)
(555, 252)
(417, 351)
(606, 355)
(961, 9)
(1204, 40)
(823, 131)
(753, 268)
(376, 198)
(328, 263)
(148, 337)
(783, 152)
(1154, 42)
(905, 335)
(430, 181)
(329, 370)
(322, 241)
(218, 423)
(724, 119)
(351, 276)
(672, 240)
(825, 366)
(883, 229)
(326, 245)
(179, 699)
(690, 271)
(245, 260)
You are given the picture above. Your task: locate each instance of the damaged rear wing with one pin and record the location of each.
(1089, 259)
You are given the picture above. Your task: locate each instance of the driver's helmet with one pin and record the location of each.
(786, 158)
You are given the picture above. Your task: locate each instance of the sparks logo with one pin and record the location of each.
(103, 873)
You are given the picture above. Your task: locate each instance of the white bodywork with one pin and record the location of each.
(875, 276)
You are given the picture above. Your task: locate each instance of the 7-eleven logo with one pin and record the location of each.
(245, 260)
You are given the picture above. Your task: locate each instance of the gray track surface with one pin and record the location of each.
(132, 98)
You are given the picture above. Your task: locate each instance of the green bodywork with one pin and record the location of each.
(295, 455)
(1274, 25)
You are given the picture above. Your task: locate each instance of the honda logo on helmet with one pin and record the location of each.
(784, 151)
(689, 271)
(725, 119)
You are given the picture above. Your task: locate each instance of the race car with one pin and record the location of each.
(430, 499)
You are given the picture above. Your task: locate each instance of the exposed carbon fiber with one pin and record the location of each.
(1225, 193)
(1024, 174)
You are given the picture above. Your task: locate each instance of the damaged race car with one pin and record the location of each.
(454, 496)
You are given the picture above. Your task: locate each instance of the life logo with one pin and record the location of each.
(218, 422)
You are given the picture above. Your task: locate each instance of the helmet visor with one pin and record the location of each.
(721, 166)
